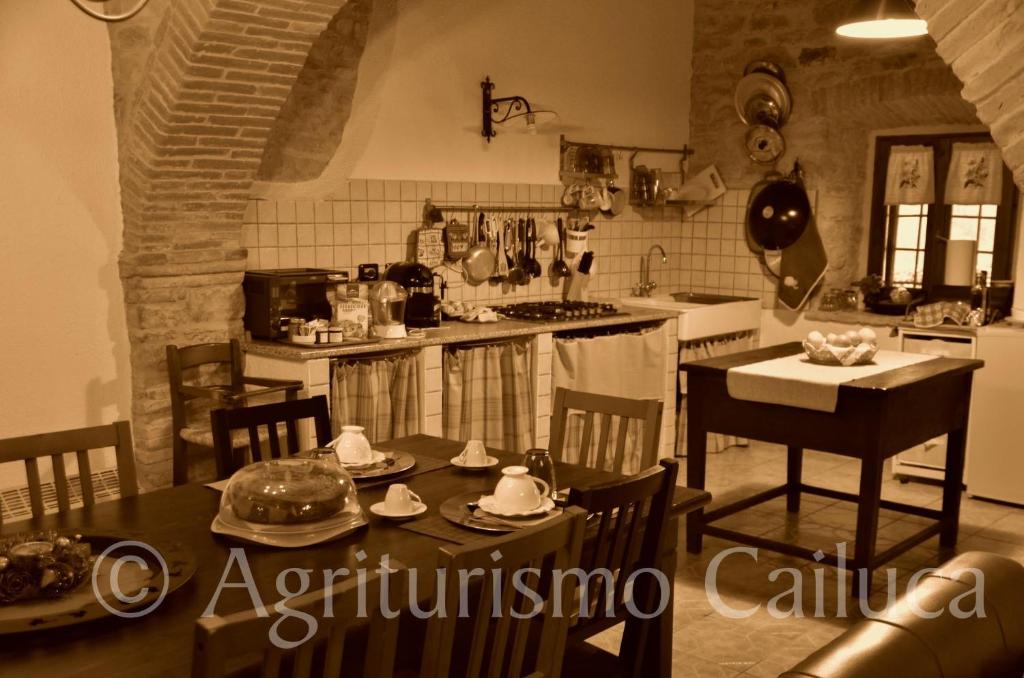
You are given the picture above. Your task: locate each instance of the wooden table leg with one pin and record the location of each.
(696, 463)
(952, 487)
(867, 522)
(794, 472)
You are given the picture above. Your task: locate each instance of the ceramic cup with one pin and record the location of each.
(475, 454)
(518, 491)
(400, 499)
(353, 447)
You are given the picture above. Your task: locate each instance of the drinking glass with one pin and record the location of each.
(539, 463)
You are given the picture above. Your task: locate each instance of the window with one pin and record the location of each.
(907, 244)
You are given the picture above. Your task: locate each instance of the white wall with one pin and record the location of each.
(64, 345)
(615, 72)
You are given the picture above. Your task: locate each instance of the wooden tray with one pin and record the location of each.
(83, 604)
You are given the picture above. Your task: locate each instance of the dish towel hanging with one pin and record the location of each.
(699, 349)
(975, 175)
(487, 395)
(380, 395)
(623, 365)
(910, 179)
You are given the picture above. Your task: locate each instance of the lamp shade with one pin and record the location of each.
(882, 20)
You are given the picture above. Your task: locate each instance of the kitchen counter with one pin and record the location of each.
(454, 332)
(862, 318)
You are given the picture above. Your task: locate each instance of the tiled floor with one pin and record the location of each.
(708, 644)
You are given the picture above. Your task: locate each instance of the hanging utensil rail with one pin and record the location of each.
(508, 209)
(685, 151)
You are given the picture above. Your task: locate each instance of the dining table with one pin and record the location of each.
(161, 642)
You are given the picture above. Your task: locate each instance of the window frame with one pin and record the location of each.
(880, 251)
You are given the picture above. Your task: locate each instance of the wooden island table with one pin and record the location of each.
(875, 417)
(160, 643)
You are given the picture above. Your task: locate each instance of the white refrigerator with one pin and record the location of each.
(995, 465)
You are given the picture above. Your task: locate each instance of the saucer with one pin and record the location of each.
(491, 462)
(377, 458)
(488, 505)
(381, 510)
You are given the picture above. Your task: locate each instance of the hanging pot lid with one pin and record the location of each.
(759, 85)
(764, 144)
(778, 213)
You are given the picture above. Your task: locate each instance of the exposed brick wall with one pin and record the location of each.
(983, 41)
(198, 86)
(841, 89)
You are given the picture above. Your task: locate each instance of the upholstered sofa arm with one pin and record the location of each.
(973, 636)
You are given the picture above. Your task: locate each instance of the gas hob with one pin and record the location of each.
(557, 311)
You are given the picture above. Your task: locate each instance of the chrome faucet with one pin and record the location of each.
(646, 285)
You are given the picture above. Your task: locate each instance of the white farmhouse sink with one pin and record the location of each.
(705, 315)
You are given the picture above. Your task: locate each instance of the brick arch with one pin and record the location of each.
(198, 88)
(983, 42)
(309, 129)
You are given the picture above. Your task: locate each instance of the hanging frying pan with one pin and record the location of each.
(778, 213)
(479, 262)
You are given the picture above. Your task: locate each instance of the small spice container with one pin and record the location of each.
(337, 335)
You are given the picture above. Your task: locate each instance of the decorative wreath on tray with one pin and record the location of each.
(42, 565)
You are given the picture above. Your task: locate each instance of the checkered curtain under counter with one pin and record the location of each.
(487, 395)
(381, 395)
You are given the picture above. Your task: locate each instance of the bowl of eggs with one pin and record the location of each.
(856, 347)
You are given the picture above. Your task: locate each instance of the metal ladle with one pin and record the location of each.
(559, 268)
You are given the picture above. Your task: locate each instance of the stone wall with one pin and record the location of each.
(842, 90)
(198, 87)
(983, 40)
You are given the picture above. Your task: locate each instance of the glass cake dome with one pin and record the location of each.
(290, 497)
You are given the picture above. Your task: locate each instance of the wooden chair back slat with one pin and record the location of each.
(221, 642)
(29, 449)
(558, 541)
(60, 483)
(588, 430)
(35, 486)
(85, 477)
(646, 412)
(225, 420)
(633, 514)
(292, 433)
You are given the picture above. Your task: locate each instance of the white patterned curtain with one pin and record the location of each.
(910, 179)
(380, 395)
(975, 175)
(487, 396)
(701, 349)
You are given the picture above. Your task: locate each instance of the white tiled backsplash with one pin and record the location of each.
(372, 221)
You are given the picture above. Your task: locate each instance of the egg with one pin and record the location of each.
(831, 338)
(867, 335)
(816, 339)
(841, 341)
(854, 337)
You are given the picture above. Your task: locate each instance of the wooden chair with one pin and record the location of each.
(480, 643)
(233, 394)
(229, 645)
(261, 423)
(630, 516)
(648, 412)
(55, 445)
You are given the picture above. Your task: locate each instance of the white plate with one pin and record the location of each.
(377, 458)
(381, 510)
(488, 505)
(286, 540)
(491, 462)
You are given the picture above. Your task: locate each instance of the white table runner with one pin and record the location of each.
(797, 382)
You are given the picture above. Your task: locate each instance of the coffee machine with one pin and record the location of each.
(423, 309)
